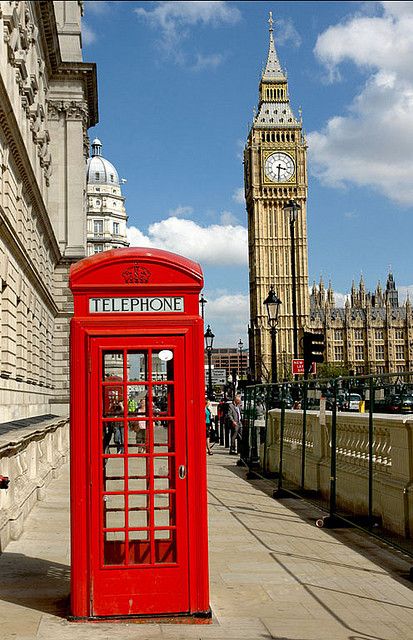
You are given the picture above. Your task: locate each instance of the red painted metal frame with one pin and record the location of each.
(103, 275)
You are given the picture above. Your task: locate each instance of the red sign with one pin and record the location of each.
(298, 366)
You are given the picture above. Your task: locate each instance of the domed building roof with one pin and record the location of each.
(99, 170)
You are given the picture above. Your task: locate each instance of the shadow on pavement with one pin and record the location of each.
(35, 583)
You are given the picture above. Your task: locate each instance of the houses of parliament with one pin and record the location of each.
(373, 333)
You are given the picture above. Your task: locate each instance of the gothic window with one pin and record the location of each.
(358, 334)
(399, 351)
(339, 354)
(359, 352)
(379, 351)
(338, 334)
(400, 334)
(379, 334)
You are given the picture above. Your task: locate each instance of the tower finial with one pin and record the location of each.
(270, 22)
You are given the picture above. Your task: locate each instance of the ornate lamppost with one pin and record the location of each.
(240, 348)
(272, 303)
(209, 341)
(202, 302)
(292, 209)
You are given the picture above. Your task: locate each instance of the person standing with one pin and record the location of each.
(234, 417)
(208, 422)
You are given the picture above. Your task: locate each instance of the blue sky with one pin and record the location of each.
(178, 82)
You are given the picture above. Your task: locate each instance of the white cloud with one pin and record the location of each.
(228, 219)
(88, 35)
(214, 244)
(286, 32)
(239, 196)
(370, 145)
(404, 291)
(181, 211)
(172, 16)
(207, 61)
(97, 6)
(228, 315)
(175, 19)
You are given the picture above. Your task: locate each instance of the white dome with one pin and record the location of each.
(99, 170)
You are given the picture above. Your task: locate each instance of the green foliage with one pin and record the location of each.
(329, 370)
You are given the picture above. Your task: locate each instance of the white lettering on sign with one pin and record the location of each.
(136, 305)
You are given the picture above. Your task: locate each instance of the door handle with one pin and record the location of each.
(182, 472)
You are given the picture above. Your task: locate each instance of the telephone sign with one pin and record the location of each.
(138, 473)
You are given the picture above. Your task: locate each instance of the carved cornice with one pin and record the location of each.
(58, 70)
(18, 151)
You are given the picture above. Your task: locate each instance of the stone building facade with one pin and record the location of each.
(371, 334)
(106, 214)
(48, 101)
(275, 171)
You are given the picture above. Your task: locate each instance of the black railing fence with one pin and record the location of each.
(345, 444)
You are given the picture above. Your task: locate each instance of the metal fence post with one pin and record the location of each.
(267, 403)
(371, 435)
(303, 452)
(278, 491)
(333, 466)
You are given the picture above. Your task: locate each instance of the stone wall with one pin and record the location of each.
(31, 454)
(392, 462)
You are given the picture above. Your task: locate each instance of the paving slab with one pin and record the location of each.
(273, 574)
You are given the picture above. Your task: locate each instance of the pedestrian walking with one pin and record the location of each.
(234, 417)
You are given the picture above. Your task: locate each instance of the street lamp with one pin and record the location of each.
(292, 209)
(240, 347)
(272, 303)
(209, 341)
(202, 302)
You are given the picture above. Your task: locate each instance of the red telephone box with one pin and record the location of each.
(138, 468)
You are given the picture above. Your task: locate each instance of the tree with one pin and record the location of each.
(329, 370)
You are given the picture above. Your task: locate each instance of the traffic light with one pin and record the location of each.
(313, 347)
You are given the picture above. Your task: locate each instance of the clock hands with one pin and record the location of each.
(279, 167)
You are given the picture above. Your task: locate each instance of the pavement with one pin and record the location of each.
(273, 574)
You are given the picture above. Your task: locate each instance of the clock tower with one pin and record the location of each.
(275, 172)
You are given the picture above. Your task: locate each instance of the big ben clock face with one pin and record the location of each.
(279, 167)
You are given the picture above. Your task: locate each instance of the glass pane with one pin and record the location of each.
(114, 512)
(112, 400)
(113, 474)
(138, 436)
(138, 474)
(112, 365)
(138, 510)
(163, 431)
(163, 468)
(163, 399)
(164, 514)
(162, 369)
(138, 400)
(114, 547)
(165, 546)
(113, 437)
(137, 365)
(161, 483)
(139, 547)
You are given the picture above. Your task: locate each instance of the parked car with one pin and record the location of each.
(395, 403)
(352, 402)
